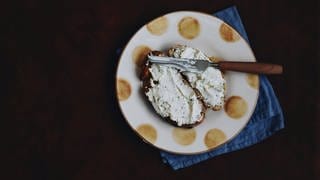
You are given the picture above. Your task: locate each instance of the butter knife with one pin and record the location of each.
(197, 65)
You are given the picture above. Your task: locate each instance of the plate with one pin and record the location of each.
(216, 39)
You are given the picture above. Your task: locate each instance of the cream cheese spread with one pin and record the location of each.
(210, 83)
(172, 97)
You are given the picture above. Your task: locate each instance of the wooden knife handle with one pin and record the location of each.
(251, 67)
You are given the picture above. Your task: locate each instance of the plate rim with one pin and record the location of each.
(143, 138)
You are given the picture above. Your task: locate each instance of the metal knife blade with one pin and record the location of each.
(183, 64)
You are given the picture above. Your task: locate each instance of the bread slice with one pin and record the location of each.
(210, 83)
(181, 98)
(171, 95)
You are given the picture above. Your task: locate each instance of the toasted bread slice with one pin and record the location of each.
(210, 83)
(171, 95)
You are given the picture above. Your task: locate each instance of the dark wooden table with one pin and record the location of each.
(60, 118)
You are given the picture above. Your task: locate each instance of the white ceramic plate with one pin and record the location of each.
(213, 37)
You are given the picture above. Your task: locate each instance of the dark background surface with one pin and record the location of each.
(60, 118)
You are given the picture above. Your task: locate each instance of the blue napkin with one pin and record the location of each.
(265, 121)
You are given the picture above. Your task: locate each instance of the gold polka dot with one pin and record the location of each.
(158, 26)
(139, 54)
(236, 107)
(214, 137)
(228, 34)
(184, 136)
(189, 27)
(148, 132)
(253, 80)
(123, 89)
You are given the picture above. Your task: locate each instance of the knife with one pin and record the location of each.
(198, 65)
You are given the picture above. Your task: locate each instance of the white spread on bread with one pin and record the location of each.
(172, 97)
(209, 83)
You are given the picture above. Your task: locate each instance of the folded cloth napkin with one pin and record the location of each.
(265, 121)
